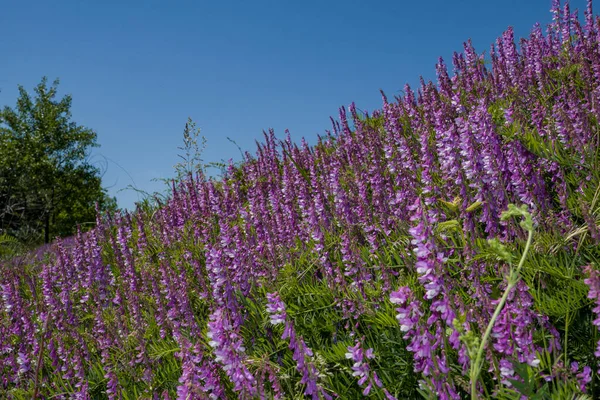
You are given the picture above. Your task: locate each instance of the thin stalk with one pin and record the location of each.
(513, 279)
(39, 361)
(566, 337)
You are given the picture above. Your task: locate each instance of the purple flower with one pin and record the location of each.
(276, 309)
(584, 378)
(302, 354)
(362, 371)
(593, 282)
(229, 351)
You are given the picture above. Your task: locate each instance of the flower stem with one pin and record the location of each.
(39, 361)
(513, 279)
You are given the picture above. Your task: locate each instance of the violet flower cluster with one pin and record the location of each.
(593, 282)
(303, 355)
(361, 370)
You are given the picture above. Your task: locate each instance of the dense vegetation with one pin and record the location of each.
(47, 185)
(387, 261)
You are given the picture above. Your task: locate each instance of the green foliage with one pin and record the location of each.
(9, 246)
(47, 185)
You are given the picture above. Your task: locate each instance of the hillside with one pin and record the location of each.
(368, 265)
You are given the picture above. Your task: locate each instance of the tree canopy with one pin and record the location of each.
(48, 186)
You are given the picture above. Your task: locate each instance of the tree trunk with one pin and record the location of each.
(47, 229)
(48, 215)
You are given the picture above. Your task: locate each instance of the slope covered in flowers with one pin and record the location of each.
(362, 266)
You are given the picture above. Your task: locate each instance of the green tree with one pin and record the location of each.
(47, 185)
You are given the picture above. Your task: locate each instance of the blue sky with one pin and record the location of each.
(138, 69)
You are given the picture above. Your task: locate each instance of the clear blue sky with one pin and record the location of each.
(138, 69)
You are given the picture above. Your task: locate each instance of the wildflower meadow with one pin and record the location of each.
(444, 246)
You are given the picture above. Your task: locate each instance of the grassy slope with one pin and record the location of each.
(125, 309)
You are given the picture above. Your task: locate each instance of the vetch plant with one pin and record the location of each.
(366, 378)
(475, 346)
(389, 229)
